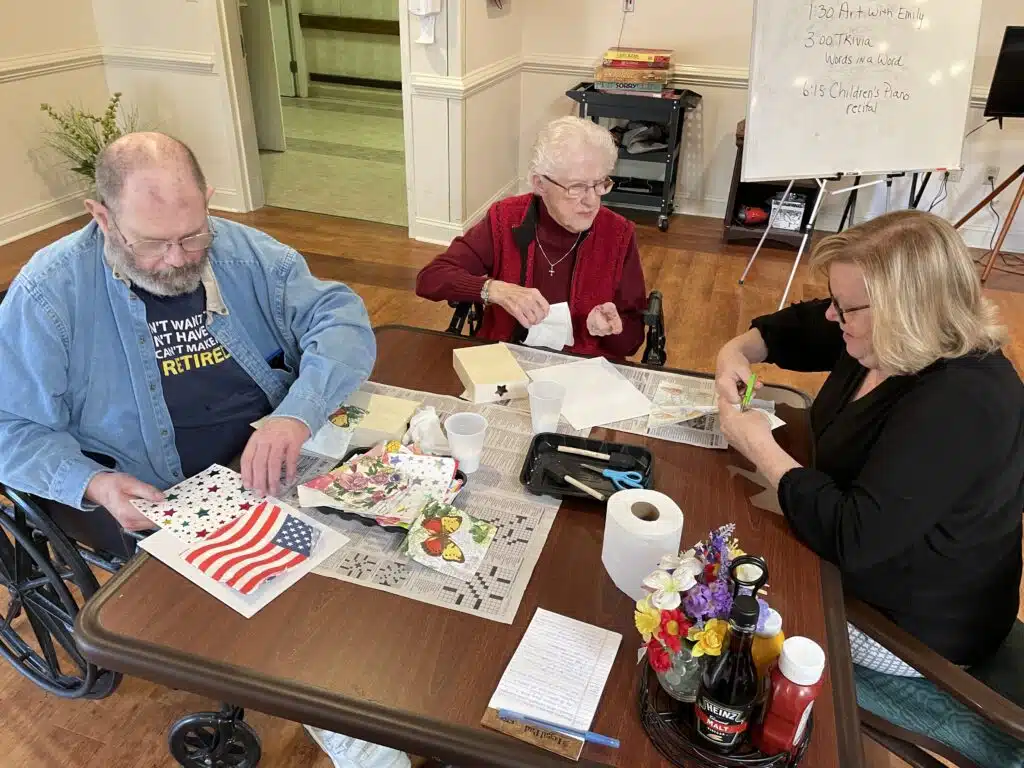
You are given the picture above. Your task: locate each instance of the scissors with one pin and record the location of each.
(620, 480)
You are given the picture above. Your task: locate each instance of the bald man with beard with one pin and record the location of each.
(138, 350)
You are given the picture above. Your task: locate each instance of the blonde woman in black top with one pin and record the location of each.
(917, 489)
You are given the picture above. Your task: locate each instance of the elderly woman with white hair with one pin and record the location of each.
(917, 484)
(555, 244)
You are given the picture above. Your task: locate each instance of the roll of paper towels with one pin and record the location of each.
(640, 527)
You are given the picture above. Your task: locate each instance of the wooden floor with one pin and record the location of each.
(704, 307)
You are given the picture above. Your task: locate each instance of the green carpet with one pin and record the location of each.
(345, 155)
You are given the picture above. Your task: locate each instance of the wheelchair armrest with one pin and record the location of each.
(958, 683)
(465, 311)
(654, 319)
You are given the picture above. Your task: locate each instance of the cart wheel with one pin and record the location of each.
(209, 740)
(663, 223)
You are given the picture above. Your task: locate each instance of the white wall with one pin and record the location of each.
(492, 61)
(563, 40)
(59, 64)
(168, 58)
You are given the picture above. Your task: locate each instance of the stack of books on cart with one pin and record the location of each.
(635, 71)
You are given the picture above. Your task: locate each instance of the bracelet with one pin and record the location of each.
(485, 292)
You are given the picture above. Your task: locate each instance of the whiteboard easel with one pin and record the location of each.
(856, 87)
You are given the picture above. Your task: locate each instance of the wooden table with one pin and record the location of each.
(418, 677)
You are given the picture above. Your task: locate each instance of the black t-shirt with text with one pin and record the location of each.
(211, 399)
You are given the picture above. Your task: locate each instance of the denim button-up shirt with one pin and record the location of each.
(78, 371)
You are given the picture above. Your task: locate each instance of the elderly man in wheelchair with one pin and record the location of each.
(136, 352)
(556, 244)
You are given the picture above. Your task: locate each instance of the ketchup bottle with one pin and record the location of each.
(794, 685)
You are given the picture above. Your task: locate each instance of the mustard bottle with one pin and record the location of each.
(768, 643)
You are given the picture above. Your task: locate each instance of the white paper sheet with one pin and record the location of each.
(167, 548)
(559, 671)
(595, 392)
(554, 331)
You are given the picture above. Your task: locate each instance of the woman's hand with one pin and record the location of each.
(526, 305)
(746, 431)
(732, 372)
(750, 433)
(604, 320)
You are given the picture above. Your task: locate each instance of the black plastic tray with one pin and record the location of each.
(369, 521)
(544, 448)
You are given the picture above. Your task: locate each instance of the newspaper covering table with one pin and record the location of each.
(373, 558)
(699, 393)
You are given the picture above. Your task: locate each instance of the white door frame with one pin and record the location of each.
(251, 178)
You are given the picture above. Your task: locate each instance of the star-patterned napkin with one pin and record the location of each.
(195, 508)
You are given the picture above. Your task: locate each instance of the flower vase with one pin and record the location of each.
(681, 680)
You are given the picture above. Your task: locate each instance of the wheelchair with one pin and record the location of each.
(47, 552)
(469, 316)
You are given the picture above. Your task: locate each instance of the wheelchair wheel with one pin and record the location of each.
(41, 573)
(214, 740)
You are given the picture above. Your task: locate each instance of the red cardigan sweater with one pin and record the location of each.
(604, 266)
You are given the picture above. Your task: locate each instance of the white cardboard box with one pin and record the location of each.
(489, 373)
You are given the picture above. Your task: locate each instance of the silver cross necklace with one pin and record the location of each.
(551, 264)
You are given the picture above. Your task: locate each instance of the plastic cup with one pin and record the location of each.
(546, 398)
(466, 439)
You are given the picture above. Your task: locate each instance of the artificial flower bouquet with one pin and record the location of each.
(689, 602)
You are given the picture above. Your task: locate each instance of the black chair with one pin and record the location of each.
(472, 315)
(46, 550)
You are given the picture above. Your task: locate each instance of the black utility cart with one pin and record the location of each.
(657, 195)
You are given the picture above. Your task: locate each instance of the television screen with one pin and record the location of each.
(1006, 97)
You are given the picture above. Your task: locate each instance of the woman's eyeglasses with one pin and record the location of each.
(577, 191)
(842, 313)
(152, 249)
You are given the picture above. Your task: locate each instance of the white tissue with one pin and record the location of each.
(554, 331)
(425, 431)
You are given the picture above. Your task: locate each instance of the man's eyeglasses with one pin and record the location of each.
(577, 191)
(844, 312)
(152, 249)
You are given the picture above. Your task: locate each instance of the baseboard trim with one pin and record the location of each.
(508, 190)
(434, 231)
(26, 67)
(38, 217)
(228, 200)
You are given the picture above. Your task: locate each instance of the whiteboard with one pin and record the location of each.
(858, 87)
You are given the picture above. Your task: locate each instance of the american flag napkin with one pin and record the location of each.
(253, 548)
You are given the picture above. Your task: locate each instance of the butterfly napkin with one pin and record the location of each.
(198, 506)
(449, 540)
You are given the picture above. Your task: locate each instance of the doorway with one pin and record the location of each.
(325, 80)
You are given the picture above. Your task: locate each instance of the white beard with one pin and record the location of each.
(170, 282)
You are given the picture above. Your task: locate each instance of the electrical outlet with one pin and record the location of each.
(955, 174)
(992, 173)
(628, 6)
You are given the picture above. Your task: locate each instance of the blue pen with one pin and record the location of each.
(595, 738)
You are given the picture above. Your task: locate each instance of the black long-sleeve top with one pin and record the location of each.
(917, 487)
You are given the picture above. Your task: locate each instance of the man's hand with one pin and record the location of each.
(604, 320)
(526, 305)
(274, 445)
(114, 491)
